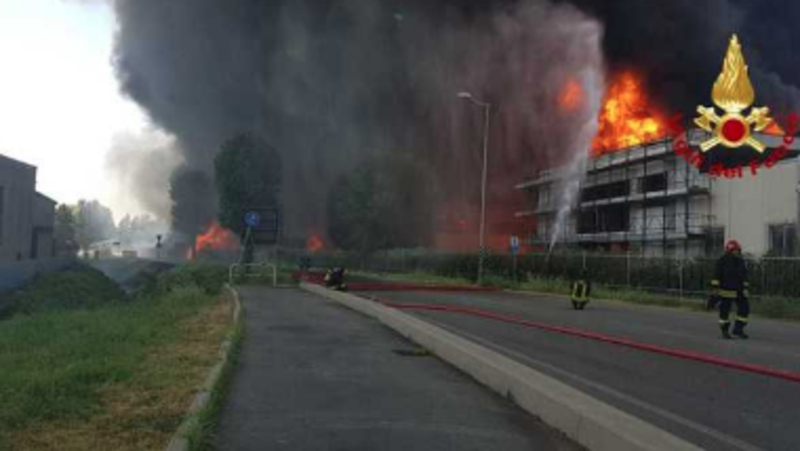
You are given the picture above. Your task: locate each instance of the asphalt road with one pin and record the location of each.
(313, 375)
(714, 407)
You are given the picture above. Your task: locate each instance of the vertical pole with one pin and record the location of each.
(514, 267)
(628, 267)
(481, 239)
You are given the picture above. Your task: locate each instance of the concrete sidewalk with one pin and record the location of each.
(315, 376)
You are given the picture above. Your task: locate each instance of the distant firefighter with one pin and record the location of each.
(581, 290)
(730, 285)
(305, 264)
(334, 279)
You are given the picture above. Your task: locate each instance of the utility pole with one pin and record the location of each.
(482, 233)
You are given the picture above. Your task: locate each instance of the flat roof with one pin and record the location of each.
(652, 149)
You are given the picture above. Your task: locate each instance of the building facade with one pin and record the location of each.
(649, 200)
(26, 216)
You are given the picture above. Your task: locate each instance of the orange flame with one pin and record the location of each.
(774, 129)
(314, 244)
(570, 98)
(216, 238)
(627, 119)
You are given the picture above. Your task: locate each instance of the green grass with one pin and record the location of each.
(79, 287)
(414, 277)
(54, 363)
(62, 354)
(201, 435)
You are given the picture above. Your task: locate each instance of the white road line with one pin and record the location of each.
(732, 442)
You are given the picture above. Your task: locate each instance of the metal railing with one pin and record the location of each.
(769, 276)
(245, 266)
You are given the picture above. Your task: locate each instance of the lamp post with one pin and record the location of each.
(481, 239)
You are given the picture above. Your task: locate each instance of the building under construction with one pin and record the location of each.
(649, 200)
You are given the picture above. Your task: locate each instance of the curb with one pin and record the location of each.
(586, 420)
(180, 439)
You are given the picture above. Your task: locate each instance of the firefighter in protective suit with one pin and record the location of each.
(730, 286)
(581, 290)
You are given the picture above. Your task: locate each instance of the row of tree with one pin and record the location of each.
(385, 201)
(80, 225)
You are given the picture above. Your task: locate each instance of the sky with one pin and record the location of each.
(60, 106)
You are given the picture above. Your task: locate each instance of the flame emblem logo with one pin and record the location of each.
(733, 93)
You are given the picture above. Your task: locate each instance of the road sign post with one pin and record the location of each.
(514, 246)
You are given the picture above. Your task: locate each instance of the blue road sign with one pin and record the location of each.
(252, 219)
(514, 244)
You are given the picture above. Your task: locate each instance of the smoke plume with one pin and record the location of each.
(141, 165)
(329, 82)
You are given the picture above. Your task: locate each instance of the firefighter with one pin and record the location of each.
(335, 279)
(730, 285)
(581, 289)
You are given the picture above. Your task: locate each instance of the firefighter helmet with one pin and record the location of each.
(733, 246)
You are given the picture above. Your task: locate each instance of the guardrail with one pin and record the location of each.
(232, 271)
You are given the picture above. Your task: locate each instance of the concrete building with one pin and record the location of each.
(26, 216)
(647, 199)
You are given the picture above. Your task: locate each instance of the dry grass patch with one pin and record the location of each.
(142, 412)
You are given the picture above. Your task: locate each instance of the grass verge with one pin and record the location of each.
(116, 375)
(201, 435)
(413, 277)
(768, 307)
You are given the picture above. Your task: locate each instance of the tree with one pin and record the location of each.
(64, 231)
(386, 202)
(93, 222)
(139, 231)
(248, 175)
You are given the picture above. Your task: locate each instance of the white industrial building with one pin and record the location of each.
(649, 200)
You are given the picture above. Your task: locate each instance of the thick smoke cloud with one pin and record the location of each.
(679, 45)
(141, 165)
(328, 82)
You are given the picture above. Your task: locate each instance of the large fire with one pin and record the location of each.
(627, 117)
(216, 238)
(314, 244)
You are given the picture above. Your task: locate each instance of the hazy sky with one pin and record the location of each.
(59, 103)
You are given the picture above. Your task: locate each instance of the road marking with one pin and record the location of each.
(697, 427)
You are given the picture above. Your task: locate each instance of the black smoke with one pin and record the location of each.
(329, 82)
(680, 44)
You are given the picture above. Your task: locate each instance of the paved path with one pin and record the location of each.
(313, 375)
(714, 407)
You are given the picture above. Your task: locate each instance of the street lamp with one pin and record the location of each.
(481, 240)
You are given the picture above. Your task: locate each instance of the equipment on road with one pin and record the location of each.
(730, 286)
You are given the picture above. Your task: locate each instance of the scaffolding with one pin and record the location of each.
(639, 198)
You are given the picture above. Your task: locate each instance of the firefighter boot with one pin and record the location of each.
(724, 327)
(738, 330)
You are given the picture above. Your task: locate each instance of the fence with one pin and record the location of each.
(771, 276)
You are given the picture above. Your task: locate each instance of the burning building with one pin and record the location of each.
(646, 198)
(645, 189)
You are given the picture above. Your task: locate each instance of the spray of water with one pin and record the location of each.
(592, 82)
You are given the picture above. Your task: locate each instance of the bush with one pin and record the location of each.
(79, 287)
(208, 277)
